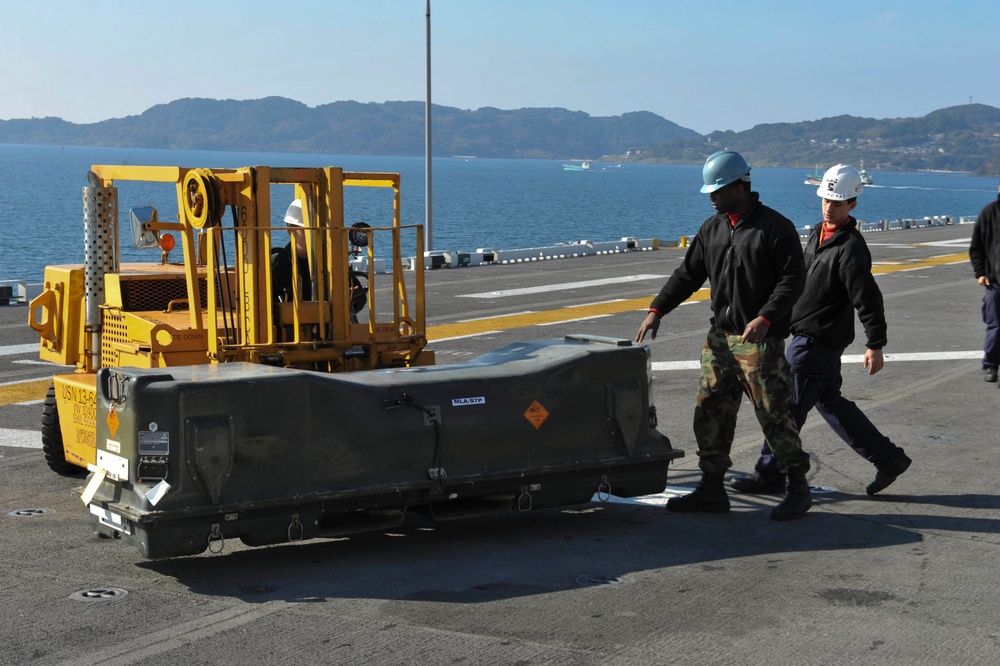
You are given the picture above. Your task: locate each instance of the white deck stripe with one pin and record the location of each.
(541, 289)
(567, 321)
(14, 350)
(22, 439)
(28, 381)
(850, 358)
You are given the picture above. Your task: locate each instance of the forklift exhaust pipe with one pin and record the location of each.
(101, 247)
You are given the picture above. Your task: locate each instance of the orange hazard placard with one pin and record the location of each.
(536, 414)
(113, 421)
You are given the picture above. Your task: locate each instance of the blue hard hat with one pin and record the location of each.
(722, 168)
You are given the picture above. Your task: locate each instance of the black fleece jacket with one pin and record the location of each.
(984, 250)
(754, 269)
(839, 280)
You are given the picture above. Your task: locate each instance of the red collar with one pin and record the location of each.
(827, 232)
(735, 217)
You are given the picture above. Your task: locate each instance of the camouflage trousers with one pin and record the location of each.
(729, 370)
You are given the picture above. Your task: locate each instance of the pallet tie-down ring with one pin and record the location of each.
(215, 537)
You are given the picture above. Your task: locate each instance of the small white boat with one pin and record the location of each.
(866, 179)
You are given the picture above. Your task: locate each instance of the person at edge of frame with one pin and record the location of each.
(752, 257)
(984, 253)
(839, 280)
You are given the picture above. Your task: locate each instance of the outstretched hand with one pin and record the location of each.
(650, 324)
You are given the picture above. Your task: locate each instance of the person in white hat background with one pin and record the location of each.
(839, 281)
(281, 258)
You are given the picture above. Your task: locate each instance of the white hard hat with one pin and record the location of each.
(840, 182)
(293, 216)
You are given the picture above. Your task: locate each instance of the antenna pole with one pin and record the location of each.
(428, 233)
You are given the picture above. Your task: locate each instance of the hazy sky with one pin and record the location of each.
(704, 64)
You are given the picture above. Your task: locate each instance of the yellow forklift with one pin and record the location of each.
(210, 400)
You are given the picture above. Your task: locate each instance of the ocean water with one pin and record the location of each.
(476, 203)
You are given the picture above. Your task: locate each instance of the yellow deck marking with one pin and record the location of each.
(24, 392)
(943, 260)
(504, 322)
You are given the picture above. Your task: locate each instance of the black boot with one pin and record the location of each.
(888, 472)
(709, 497)
(797, 500)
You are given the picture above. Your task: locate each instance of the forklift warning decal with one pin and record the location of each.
(81, 402)
(536, 414)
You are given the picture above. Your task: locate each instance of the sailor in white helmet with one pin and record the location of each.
(281, 258)
(839, 281)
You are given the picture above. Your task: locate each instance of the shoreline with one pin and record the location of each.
(14, 291)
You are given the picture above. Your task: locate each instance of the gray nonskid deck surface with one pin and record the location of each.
(906, 577)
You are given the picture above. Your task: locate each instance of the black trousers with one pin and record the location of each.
(817, 383)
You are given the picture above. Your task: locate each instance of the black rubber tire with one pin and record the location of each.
(359, 291)
(52, 440)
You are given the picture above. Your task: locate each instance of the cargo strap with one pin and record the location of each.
(432, 416)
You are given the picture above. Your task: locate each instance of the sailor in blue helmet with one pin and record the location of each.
(839, 282)
(752, 258)
(984, 252)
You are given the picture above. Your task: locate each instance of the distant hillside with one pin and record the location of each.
(391, 128)
(958, 138)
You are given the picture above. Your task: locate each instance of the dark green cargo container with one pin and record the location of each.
(193, 456)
